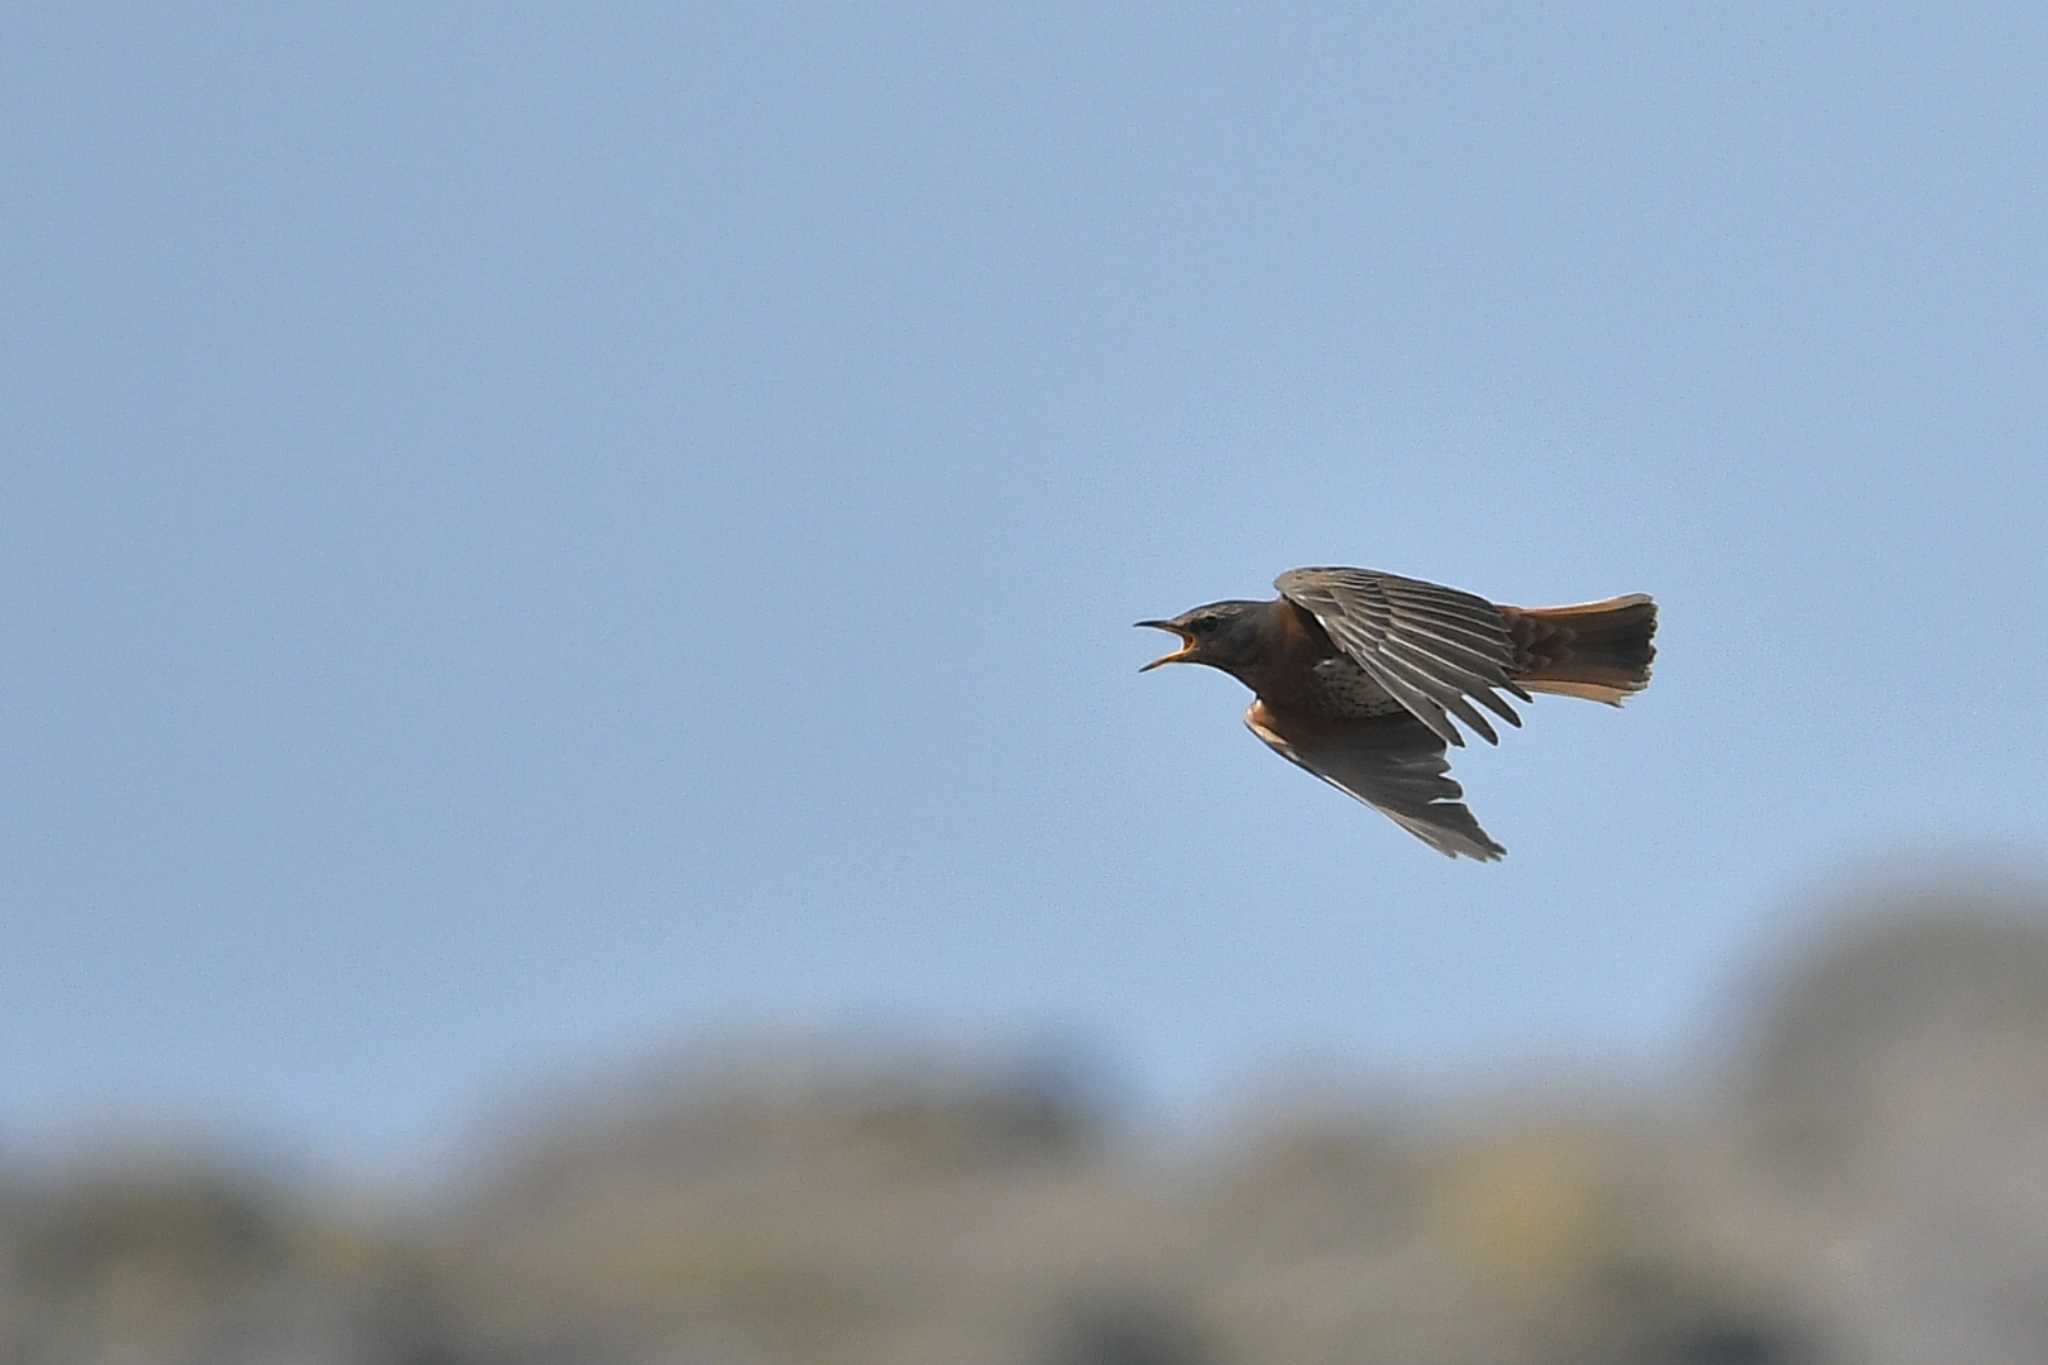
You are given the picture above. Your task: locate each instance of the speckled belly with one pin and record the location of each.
(1340, 687)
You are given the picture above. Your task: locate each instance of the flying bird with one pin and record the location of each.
(1357, 675)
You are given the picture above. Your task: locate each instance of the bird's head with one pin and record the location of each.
(1223, 635)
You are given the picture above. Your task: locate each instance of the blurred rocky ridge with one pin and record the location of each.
(1863, 1179)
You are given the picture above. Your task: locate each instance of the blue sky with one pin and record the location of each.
(537, 535)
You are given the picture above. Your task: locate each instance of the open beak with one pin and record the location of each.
(1187, 645)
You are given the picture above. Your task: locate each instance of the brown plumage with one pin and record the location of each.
(1360, 675)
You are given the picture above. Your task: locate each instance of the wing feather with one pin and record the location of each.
(1447, 695)
(1394, 763)
(1430, 646)
(1474, 684)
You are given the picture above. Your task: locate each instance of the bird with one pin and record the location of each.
(1357, 674)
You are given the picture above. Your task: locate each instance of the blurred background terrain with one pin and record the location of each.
(577, 788)
(1851, 1173)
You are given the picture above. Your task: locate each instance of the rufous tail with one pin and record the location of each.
(1600, 651)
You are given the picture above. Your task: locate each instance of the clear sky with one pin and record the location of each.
(533, 534)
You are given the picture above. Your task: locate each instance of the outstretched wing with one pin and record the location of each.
(1431, 647)
(1393, 763)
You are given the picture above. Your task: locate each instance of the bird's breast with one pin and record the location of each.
(1333, 687)
(1301, 670)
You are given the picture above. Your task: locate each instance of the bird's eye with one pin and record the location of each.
(1201, 625)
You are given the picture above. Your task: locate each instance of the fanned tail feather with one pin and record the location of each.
(1598, 651)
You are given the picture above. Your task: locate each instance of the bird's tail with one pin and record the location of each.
(1600, 651)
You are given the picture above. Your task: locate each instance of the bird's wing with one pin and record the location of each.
(1430, 647)
(1393, 763)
